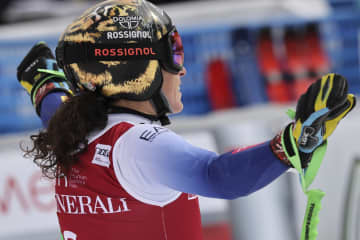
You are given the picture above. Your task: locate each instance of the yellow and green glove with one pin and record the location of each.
(39, 75)
(319, 111)
(302, 144)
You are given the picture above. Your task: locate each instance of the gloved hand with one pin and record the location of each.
(318, 112)
(39, 74)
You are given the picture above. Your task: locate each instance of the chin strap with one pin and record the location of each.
(162, 107)
(160, 104)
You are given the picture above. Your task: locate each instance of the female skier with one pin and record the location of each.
(119, 172)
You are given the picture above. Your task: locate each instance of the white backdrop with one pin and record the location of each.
(26, 199)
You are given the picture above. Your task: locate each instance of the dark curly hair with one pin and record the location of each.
(56, 148)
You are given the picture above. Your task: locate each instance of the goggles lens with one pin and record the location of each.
(177, 48)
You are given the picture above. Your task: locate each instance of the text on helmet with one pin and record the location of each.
(139, 51)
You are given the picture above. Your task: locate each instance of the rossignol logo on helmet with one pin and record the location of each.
(128, 34)
(139, 51)
(130, 23)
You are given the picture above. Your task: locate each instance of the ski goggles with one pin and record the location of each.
(174, 61)
(168, 50)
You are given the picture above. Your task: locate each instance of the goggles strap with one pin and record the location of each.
(67, 53)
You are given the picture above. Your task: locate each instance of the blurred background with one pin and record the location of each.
(247, 62)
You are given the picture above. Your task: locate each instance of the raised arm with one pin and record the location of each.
(169, 160)
(43, 80)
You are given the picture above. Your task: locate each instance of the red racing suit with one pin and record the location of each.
(137, 181)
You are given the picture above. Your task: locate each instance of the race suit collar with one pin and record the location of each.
(118, 118)
(123, 110)
(128, 117)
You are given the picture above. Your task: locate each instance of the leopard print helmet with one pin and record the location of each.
(117, 24)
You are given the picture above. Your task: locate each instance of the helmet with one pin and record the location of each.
(118, 47)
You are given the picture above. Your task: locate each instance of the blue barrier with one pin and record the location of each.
(234, 45)
(17, 113)
(248, 82)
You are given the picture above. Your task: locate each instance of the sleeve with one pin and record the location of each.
(49, 105)
(164, 157)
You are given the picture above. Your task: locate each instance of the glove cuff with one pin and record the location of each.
(278, 148)
(50, 83)
(283, 145)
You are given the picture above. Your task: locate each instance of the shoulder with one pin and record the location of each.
(148, 132)
(138, 144)
(139, 136)
(112, 130)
